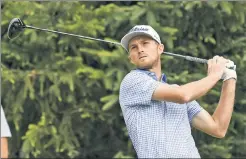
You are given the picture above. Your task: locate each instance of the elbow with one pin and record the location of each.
(184, 98)
(220, 134)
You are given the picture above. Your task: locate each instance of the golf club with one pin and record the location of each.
(16, 26)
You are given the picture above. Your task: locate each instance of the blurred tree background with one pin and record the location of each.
(60, 93)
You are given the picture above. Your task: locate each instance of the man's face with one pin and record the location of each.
(144, 52)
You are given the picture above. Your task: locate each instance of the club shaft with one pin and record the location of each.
(189, 58)
(80, 36)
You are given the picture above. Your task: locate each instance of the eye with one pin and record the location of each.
(133, 47)
(145, 42)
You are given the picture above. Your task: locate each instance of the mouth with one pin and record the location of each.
(141, 57)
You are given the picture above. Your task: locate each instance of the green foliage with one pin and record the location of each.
(60, 93)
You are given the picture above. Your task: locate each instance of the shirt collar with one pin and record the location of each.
(153, 75)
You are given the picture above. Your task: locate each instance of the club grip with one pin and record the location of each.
(195, 59)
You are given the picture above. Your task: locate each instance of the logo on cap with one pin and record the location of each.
(139, 29)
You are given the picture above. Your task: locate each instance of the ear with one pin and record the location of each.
(130, 59)
(161, 48)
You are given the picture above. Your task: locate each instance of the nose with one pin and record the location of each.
(140, 49)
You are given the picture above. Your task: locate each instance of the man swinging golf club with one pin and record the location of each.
(159, 115)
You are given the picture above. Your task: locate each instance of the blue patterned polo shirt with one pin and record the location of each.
(158, 129)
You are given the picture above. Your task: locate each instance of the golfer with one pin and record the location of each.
(5, 133)
(159, 115)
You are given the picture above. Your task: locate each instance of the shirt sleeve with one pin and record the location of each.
(5, 131)
(193, 109)
(137, 89)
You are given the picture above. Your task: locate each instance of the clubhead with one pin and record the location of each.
(16, 26)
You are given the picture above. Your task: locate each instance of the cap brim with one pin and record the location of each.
(126, 39)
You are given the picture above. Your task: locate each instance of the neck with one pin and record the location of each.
(157, 69)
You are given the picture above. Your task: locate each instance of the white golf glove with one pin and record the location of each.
(230, 64)
(229, 73)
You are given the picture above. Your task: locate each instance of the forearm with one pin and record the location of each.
(194, 90)
(4, 147)
(223, 112)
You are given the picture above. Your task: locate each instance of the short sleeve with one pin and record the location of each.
(137, 88)
(193, 108)
(5, 131)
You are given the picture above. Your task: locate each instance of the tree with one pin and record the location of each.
(60, 93)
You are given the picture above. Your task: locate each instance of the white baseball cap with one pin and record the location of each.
(139, 30)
